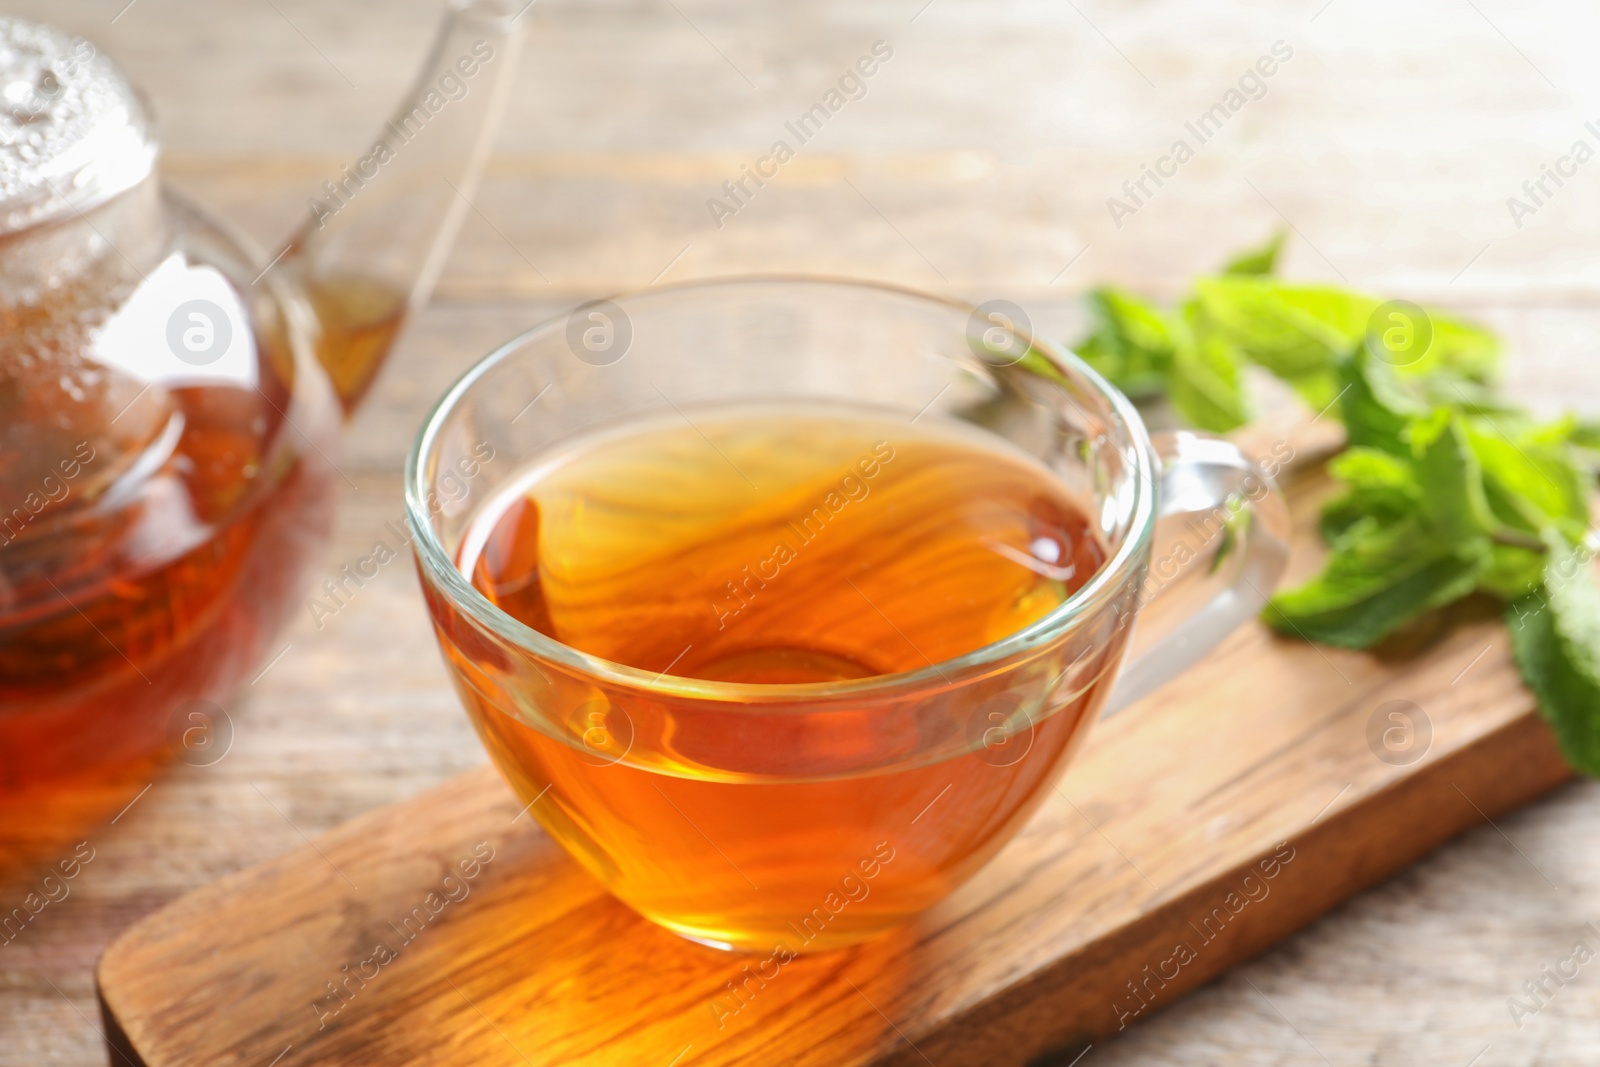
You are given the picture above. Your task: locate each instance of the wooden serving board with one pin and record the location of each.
(1214, 818)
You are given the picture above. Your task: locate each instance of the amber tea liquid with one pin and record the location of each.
(801, 544)
(149, 556)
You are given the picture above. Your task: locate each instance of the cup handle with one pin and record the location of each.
(1220, 520)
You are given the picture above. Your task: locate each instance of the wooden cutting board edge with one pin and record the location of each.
(124, 1052)
(1353, 849)
(1349, 850)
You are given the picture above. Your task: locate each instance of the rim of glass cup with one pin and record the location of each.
(465, 596)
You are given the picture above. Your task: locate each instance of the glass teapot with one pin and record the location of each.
(170, 404)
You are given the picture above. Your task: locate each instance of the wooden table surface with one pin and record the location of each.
(978, 163)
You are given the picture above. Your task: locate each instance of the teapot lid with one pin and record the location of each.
(73, 133)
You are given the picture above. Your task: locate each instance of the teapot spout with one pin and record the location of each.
(379, 232)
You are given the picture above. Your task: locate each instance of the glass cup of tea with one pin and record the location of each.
(782, 602)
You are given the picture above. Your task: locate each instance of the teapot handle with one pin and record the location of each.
(380, 230)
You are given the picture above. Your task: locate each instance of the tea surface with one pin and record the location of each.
(784, 545)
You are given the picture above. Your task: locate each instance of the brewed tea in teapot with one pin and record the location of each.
(170, 404)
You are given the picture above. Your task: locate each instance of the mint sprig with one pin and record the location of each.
(1450, 489)
(1555, 638)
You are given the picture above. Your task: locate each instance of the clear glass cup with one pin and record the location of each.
(808, 816)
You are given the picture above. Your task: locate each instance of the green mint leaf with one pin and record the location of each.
(1513, 572)
(1131, 342)
(1410, 535)
(1206, 385)
(1299, 332)
(1454, 505)
(1269, 323)
(1380, 486)
(1470, 480)
(1376, 579)
(1446, 388)
(1458, 347)
(1376, 406)
(1205, 380)
(1344, 312)
(1585, 433)
(1263, 259)
(1375, 471)
(1555, 637)
(1532, 482)
(1439, 483)
(1582, 438)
